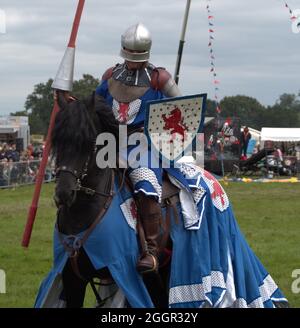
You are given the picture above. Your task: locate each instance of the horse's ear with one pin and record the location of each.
(61, 99)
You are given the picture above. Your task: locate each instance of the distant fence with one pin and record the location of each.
(14, 174)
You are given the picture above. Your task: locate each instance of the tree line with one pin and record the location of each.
(284, 113)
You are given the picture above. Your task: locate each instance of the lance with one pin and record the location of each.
(182, 40)
(63, 81)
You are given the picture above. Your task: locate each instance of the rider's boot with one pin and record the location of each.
(150, 218)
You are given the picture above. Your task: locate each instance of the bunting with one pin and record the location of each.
(211, 31)
(294, 17)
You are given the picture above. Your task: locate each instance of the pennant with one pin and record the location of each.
(292, 18)
(212, 57)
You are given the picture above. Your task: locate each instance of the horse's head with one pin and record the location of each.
(73, 141)
(74, 136)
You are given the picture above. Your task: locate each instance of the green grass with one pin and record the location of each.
(268, 215)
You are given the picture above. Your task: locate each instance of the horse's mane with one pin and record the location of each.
(78, 123)
(105, 114)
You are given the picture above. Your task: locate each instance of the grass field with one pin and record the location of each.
(268, 214)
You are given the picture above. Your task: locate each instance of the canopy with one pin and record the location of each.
(280, 134)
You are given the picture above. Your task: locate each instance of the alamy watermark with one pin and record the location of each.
(296, 283)
(2, 282)
(136, 150)
(2, 21)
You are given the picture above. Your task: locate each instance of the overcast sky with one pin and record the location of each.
(256, 52)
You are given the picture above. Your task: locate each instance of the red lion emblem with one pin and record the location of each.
(217, 188)
(175, 123)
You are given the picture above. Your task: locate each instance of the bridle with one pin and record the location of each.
(80, 176)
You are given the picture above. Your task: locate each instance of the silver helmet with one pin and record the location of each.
(136, 43)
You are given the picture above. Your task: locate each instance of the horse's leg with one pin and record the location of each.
(74, 287)
(157, 290)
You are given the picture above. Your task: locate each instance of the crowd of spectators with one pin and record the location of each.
(20, 167)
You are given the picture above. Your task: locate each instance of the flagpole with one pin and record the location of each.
(182, 40)
(63, 81)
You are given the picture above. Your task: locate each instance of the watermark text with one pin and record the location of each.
(2, 22)
(2, 282)
(296, 283)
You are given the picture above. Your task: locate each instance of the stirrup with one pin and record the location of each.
(154, 268)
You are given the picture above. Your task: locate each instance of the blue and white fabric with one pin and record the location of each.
(211, 265)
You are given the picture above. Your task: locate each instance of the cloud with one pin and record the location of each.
(255, 49)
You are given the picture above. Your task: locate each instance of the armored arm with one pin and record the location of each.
(163, 81)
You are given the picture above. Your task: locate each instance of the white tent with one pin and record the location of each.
(280, 134)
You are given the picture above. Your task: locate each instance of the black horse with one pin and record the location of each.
(83, 194)
(93, 230)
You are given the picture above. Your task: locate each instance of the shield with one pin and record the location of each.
(173, 124)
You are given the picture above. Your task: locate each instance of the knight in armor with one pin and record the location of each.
(127, 87)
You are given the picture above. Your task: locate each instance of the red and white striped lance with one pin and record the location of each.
(63, 81)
